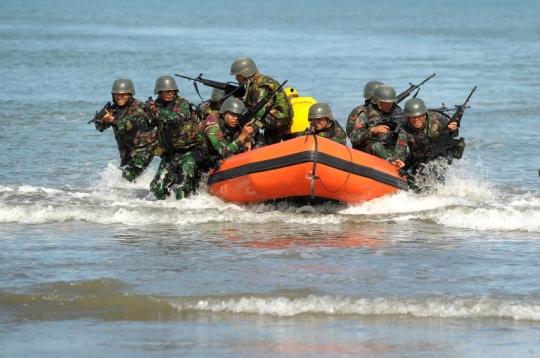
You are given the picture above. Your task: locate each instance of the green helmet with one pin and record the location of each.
(165, 83)
(217, 94)
(123, 85)
(320, 110)
(370, 87)
(233, 105)
(414, 107)
(243, 66)
(384, 93)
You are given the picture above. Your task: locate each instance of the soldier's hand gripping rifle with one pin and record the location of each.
(444, 140)
(394, 120)
(249, 115)
(230, 88)
(149, 114)
(99, 115)
(410, 90)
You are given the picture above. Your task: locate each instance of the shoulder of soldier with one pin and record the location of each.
(337, 125)
(438, 114)
(180, 99)
(266, 81)
(437, 117)
(135, 106)
(357, 110)
(211, 120)
(137, 103)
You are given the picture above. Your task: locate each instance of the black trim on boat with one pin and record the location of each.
(306, 157)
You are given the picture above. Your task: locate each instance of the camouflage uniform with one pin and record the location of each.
(353, 116)
(221, 140)
(178, 137)
(359, 123)
(418, 141)
(420, 174)
(334, 132)
(135, 137)
(208, 108)
(277, 121)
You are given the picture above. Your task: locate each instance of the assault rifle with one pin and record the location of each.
(250, 113)
(230, 88)
(394, 121)
(444, 140)
(410, 90)
(99, 115)
(149, 114)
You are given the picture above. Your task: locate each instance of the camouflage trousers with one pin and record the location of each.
(378, 149)
(275, 128)
(176, 170)
(133, 164)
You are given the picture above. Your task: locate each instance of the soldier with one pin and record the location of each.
(222, 134)
(277, 118)
(323, 124)
(369, 88)
(178, 137)
(213, 105)
(417, 135)
(375, 129)
(135, 137)
(300, 120)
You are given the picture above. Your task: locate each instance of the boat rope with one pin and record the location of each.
(314, 170)
(346, 179)
(314, 175)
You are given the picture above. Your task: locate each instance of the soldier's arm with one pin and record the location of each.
(339, 134)
(220, 144)
(351, 120)
(401, 146)
(360, 132)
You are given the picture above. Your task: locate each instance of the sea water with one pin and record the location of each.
(91, 265)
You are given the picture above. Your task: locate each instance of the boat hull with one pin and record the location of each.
(305, 167)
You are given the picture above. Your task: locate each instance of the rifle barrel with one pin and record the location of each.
(186, 77)
(468, 98)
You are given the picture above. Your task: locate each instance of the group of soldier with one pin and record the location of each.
(191, 139)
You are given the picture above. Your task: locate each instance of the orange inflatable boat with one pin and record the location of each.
(308, 168)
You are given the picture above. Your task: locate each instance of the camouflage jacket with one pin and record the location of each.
(176, 125)
(334, 132)
(353, 116)
(208, 108)
(368, 117)
(131, 128)
(221, 140)
(258, 88)
(418, 141)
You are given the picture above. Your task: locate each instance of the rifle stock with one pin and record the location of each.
(250, 113)
(410, 90)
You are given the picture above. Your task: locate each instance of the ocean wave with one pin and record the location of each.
(327, 305)
(121, 306)
(465, 201)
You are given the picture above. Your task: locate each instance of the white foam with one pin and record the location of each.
(426, 307)
(466, 201)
